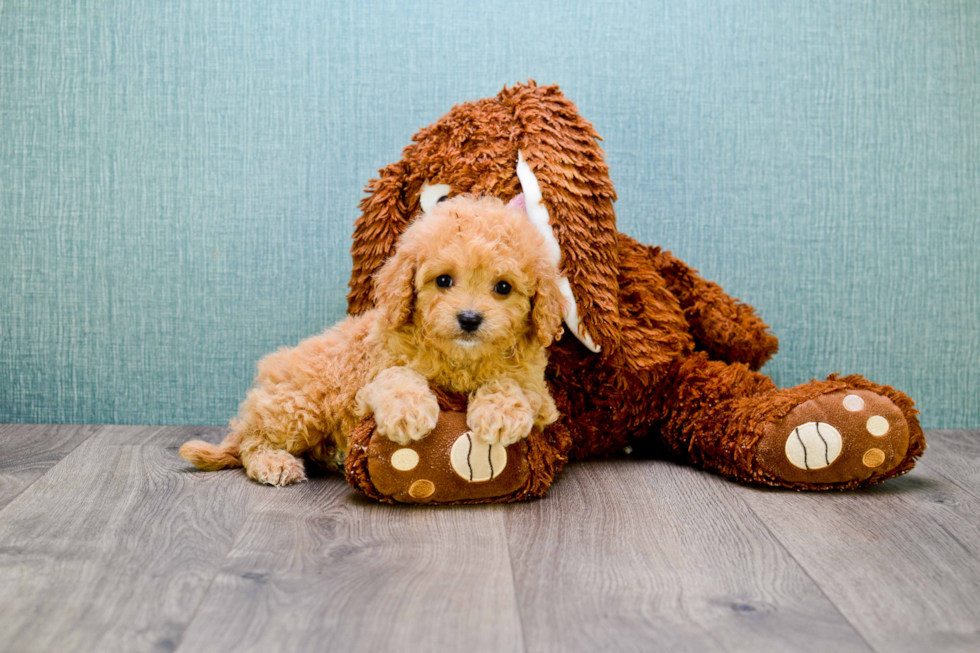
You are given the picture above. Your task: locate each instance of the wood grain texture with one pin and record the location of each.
(319, 567)
(650, 556)
(955, 455)
(121, 547)
(901, 560)
(28, 451)
(113, 548)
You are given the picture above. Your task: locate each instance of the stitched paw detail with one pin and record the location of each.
(475, 460)
(811, 447)
(446, 466)
(836, 438)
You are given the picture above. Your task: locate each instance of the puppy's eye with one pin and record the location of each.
(444, 281)
(502, 288)
(442, 199)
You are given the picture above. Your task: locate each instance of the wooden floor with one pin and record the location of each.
(109, 542)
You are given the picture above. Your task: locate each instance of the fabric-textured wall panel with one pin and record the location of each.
(178, 180)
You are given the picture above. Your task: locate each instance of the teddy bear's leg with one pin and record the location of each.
(722, 326)
(844, 432)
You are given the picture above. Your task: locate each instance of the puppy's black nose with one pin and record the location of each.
(469, 321)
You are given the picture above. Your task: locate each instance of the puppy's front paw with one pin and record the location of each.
(500, 418)
(403, 420)
(275, 467)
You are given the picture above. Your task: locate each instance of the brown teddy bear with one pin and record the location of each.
(653, 351)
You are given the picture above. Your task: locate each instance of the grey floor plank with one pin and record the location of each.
(114, 547)
(630, 555)
(956, 456)
(28, 451)
(318, 567)
(109, 542)
(901, 560)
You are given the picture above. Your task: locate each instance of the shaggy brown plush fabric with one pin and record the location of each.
(541, 456)
(678, 358)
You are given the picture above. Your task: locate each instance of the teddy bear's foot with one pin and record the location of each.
(837, 438)
(451, 464)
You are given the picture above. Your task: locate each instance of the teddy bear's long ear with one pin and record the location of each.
(562, 151)
(394, 287)
(385, 213)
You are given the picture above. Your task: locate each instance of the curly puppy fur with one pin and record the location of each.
(442, 317)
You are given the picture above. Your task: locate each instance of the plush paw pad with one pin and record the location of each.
(811, 447)
(836, 438)
(475, 460)
(449, 465)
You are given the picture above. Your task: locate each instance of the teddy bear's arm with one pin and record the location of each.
(721, 325)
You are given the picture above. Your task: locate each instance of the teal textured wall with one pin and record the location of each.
(178, 180)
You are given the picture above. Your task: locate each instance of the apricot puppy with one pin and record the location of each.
(469, 302)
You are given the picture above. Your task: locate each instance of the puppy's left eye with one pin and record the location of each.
(502, 288)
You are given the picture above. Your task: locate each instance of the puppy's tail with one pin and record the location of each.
(210, 457)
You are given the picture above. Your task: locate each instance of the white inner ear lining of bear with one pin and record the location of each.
(537, 213)
(430, 195)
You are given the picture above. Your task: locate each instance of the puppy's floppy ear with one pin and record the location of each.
(547, 304)
(394, 287)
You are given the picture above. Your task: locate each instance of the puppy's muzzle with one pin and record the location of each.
(469, 321)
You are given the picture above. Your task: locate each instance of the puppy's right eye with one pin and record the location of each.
(502, 288)
(444, 281)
